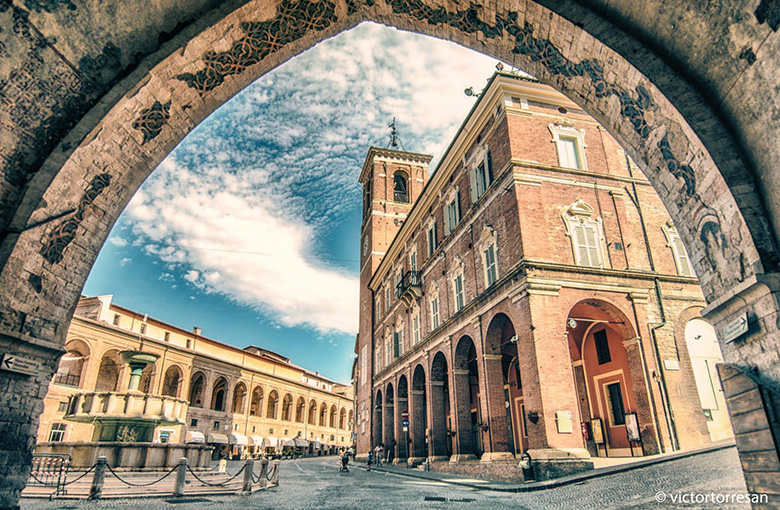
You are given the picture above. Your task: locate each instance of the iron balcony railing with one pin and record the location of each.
(67, 379)
(409, 280)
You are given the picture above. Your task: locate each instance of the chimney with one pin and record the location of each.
(196, 330)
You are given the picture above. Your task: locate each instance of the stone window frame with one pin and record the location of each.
(388, 347)
(399, 330)
(413, 265)
(488, 238)
(456, 272)
(671, 235)
(430, 225)
(415, 323)
(565, 129)
(378, 356)
(451, 201)
(433, 297)
(479, 187)
(580, 213)
(57, 432)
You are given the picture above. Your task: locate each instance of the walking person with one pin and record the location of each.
(344, 461)
(369, 459)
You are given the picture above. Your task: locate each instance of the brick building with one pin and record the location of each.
(246, 401)
(531, 296)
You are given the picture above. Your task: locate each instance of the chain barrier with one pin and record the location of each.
(271, 472)
(219, 484)
(82, 475)
(131, 484)
(256, 479)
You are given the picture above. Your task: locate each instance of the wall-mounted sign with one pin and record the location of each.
(563, 420)
(632, 427)
(598, 430)
(672, 364)
(736, 328)
(14, 363)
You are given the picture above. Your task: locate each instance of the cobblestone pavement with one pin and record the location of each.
(317, 484)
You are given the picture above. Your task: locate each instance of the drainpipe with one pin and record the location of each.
(658, 325)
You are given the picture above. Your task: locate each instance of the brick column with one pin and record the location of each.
(417, 427)
(438, 422)
(465, 447)
(389, 434)
(402, 452)
(498, 444)
(644, 414)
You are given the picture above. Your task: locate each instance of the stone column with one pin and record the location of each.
(465, 447)
(498, 445)
(438, 431)
(402, 453)
(418, 425)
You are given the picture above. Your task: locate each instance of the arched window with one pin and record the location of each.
(108, 372)
(400, 188)
(300, 410)
(351, 420)
(333, 417)
(256, 405)
(343, 418)
(313, 413)
(681, 260)
(239, 396)
(323, 415)
(287, 407)
(587, 234)
(171, 381)
(196, 390)
(218, 395)
(72, 364)
(273, 400)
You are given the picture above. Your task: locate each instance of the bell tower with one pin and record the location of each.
(392, 181)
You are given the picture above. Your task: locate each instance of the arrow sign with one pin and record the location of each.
(13, 363)
(735, 328)
(405, 423)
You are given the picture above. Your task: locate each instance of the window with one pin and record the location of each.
(451, 214)
(617, 413)
(57, 433)
(189, 343)
(400, 188)
(216, 425)
(194, 422)
(416, 328)
(388, 350)
(116, 319)
(481, 177)
(491, 270)
(569, 144)
(586, 234)
(413, 261)
(434, 312)
(431, 236)
(167, 336)
(398, 343)
(396, 281)
(458, 287)
(62, 407)
(602, 346)
(378, 305)
(378, 358)
(681, 261)
(387, 298)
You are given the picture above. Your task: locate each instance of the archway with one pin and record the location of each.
(196, 389)
(300, 410)
(500, 348)
(172, 381)
(273, 400)
(418, 417)
(72, 365)
(402, 406)
(611, 383)
(219, 394)
(465, 381)
(376, 433)
(323, 415)
(256, 403)
(287, 403)
(388, 436)
(109, 371)
(441, 419)
(148, 379)
(239, 398)
(333, 417)
(730, 235)
(313, 413)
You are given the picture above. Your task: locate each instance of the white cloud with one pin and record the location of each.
(117, 241)
(125, 261)
(238, 207)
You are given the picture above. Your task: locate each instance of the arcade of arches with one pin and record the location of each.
(93, 98)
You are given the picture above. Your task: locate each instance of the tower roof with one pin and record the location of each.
(403, 156)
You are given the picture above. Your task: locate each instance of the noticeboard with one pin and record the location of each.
(632, 427)
(598, 430)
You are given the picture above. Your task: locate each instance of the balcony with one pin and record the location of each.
(67, 379)
(135, 406)
(409, 289)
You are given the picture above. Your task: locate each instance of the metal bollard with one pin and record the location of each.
(275, 479)
(249, 472)
(181, 475)
(263, 473)
(96, 490)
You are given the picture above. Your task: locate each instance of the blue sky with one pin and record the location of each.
(250, 228)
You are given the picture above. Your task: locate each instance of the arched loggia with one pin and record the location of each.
(389, 416)
(376, 434)
(418, 417)
(402, 406)
(499, 340)
(441, 420)
(465, 380)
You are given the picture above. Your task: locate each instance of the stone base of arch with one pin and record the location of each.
(497, 457)
(468, 457)
(552, 463)
(415, 461)
(439, 458)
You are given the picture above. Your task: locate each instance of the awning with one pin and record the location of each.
(287, 442)
(271, 442)
(216, 438)
(238, 439)
(301, 443)
(317, 445)
(256, 440)
(195, 436)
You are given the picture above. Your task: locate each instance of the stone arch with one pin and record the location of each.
(500, 350)
(73, 363)
(256, 402)
(287, 403)
(197, 386)
(468, 413)
(148, 378)
(343, 418)
(333, 412)
(401, 191)
(273, 403)
(388, 435)
(300, 410)
(418, 415)
(239, 398)
(219, 394)
(441, 440)
(172, 381)
(323, 415)
(312, 412)
(402, 405)
(376, 433)
(109, 371)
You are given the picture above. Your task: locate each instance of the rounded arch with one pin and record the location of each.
(440, 439)
(72, 365)
(401, 193)
(351, 419)
(465, 379)
(499, 334)
(148, 378)
(333, 411)
(439, 367)
(300, 410)
(323, 414)
(109, 371)
(287, 403)
(219, 394)
(273, 403)
(239, 398)
(312, 420)
(172, 381)
(343, 418)
(197, 385)
(403, 387)
(389, 394)
(418, 415)
(256, 402)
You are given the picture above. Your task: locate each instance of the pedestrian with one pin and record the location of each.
(369, 459)
(378, 454)
(344, 462)
(391, 451)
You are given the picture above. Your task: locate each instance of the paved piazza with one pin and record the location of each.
(317, 484)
